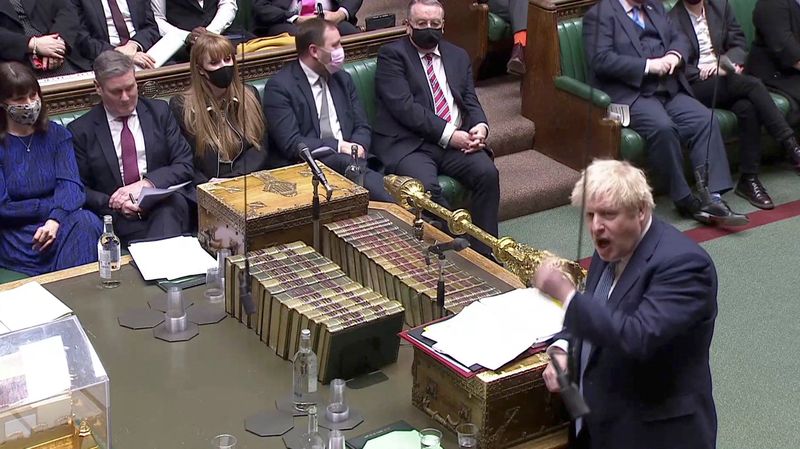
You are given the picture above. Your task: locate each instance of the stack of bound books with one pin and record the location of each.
(353, 328)
(378, 254)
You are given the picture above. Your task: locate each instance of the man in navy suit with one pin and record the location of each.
(635, 53)
(429, 120)
(643, 327)
(127, 26)
(127, 143)
(312, 101)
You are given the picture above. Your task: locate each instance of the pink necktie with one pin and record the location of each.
(439, 102)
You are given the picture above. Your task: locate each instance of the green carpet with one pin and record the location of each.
(755, 350)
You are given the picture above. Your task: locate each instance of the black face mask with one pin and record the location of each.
(426, 38)
(222, 77)
(693, 2)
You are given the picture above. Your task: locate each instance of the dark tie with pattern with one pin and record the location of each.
(325, 129)
(439, 101)
(601, 292)
(130, 163)
(119, 22)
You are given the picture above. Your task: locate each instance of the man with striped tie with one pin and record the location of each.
(642, 329)
(429, 120)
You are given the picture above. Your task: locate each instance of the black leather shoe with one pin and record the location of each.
(750, 188)
(718, 213)
(516, 64)
(793, 148)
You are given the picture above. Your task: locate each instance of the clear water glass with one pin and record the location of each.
(214, 289)
(430, 439)
(467, 436)
(224, 441)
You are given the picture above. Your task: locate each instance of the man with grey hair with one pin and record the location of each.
(641, 331)
(126, 144)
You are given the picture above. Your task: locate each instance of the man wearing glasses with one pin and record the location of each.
(429, 120)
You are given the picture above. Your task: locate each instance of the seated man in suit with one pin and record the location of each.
(273, 17)
(643, 327)
(127, 143)
(127, 26)
(312, 101)
(634, 52)
(429, 120)
(704, 22)
(775, 51)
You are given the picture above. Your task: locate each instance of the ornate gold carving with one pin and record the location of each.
(275, 185)
(522, 260)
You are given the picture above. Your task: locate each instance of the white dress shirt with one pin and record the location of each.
(700, 25)
(115, 126)
(113, 36)
(296, 5)
(226, 12)
(441, 77)
(316, 91)
(618, 270)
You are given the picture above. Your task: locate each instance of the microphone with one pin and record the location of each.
(305, 154)
(726, 63)
(456, 245)
(570, 394)
(320, 11)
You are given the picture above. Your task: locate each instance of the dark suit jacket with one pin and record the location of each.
(647, 380)
(614, 53)
(93, 38)
(169, 158)
(405, 115)
(733, 43)
(48, 16)
(271, 12)
(776, 46)
(292, 114)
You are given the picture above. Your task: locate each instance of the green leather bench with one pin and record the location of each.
(574, 74)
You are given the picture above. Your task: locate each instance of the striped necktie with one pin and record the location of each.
(601, 292)
(439, 101)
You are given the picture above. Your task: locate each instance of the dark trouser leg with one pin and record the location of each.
(768, 113)
(346, 28)
(512, 11)
(278, 28)
(478, 172)
(170, 218)
(421, 164)
(650, 119)
(702, 134)
(373, 181)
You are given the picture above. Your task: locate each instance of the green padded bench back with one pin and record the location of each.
(499, 29)
(573, 58)
(743, 9)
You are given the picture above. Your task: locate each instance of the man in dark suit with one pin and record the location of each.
(634, 53)
(429, 120)
(273, 17)
(312, 101)
(125, 144)
(775, 52)
(45, 28)
(717, 41)
(127, 26)
(642, 329)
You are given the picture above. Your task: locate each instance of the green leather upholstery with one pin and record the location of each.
(743, 10)
(499, 29)
(574, 72)
(9, 276)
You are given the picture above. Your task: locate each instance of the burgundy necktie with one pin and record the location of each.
(130, 163)
(439, 101)
(119, 22)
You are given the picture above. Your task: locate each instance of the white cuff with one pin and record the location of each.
(346, 13)
(560, 344)
(444, 140)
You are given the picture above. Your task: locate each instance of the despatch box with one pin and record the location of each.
(510, 405)
(279, 205)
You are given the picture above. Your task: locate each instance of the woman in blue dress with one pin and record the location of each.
(42, 225)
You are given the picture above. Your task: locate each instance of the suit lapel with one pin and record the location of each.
(28, 5)
(715, 28)
(147, 125)
(628, 26)
(688, 29)
(107, 144)
(659, 21)
(99, 16)
(417, 71)
(450, 71)
(305, 88)
(633, 270)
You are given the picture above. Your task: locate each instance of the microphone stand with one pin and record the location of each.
(440, 287)
(315, 212)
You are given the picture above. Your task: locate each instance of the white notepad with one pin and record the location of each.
(171, 258)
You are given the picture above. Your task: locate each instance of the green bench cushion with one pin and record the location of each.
(499, 29)
(10, 276)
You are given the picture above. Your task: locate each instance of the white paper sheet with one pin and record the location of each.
(29, 305)
(171, 258)
(494, 331)
(167, 46)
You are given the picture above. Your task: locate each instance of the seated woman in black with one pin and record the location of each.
(220, 117)
(42, 225)
(42, 35)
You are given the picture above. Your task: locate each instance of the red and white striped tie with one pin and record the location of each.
(439, 102)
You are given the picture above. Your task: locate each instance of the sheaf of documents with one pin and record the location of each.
(167, 46)
(29, 305)
(149, 196)
(494, 331)
(171, 258)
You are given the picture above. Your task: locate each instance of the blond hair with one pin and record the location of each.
(620, 181)
(202, 111)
